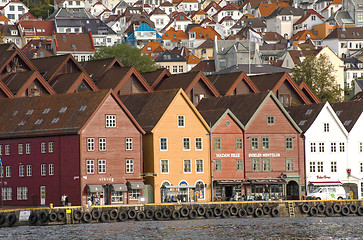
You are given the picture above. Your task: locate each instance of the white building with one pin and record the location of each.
(14, 9)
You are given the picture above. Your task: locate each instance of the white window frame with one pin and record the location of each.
(50, 147)
(22, 193)
(129, 145)
(196, 141)
(29, 170)
(7, 149)
(110, 121)
(185, 162)
(102, 144)
(129, 165)
(134, 194)
(90, 166)
(28, 148)
(43, 147)
(166, 141)
(51, 169)
(101, 166)
(181, 119)
(90, 144)
(21, 170)
(161, 166)
(186, 140)
(201, 162)
(20, 148)
(43, 169)
(8, 171)
(333, 166)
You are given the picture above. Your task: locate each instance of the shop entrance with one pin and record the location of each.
(292, 191)
(228, 192)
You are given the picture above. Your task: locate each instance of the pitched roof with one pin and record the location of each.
(205, 66)
(303, 35)
(192, 59)
(354, 33)
(305, 115)
(74, 42)
(96, 68)
(172, 34)
(348, 112)
(168, 56)
(153, 78)
(68, 83)
(267, 8)
(286, 11)
(42, 28)
(297, 54)
(208, 43)
(204, 32)
(272, 36)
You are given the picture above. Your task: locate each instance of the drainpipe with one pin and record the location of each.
(211, 163)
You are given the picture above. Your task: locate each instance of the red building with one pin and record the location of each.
(78, 144)
(254, 144)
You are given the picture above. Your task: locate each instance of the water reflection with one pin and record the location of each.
(252, 228)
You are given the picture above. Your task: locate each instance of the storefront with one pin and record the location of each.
(117, 193)
(257, 188)
(180, 193)
(96, 194)
(226, 189)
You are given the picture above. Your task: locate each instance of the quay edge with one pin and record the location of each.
(175, 211)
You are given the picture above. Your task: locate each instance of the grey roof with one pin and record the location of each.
(224, 46)
(70, 13)
(93, 25)
(255, 69)
(122, 4)
(343, 17)
(287, 11)
(253, 22)
(6, 30)
(353, 62)
(359, 82)
(167, 56)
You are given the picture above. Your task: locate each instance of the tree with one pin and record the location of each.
(128, 55)
(318, 73)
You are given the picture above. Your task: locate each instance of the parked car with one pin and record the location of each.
(327, 193)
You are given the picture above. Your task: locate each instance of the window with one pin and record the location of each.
(312, 166)
(320, 166)
(199, 165)
(51, 169)
(341, 147)
(129, 144)
(333, 166)
(217, 144)
(110, 121)
(288, 143)
(50, 147)
(187, 165)
(289, 164)
(164, 166)
(102, 144)
(20, 149)
(239, 165)
(163, 144)
(129, 165)
(175, 69)
(90, 144)
(198, 144)
(361, 167)
(102, 166)
(321, 147)
(117, 197)
(270, 120)
(7, 149)
(43, 169)
(90, 167)
(312, 147)
(266, 164)
(254, 143)
(255, 164)
(326, 127)
(27, 148)
(181, 68)
(199, 189)
(134, 194)
(181, 121)
(218, 165)
(7, 193)
(265, 143)
(22, 193)
(21, 170)
(239, 144)
(186, 144)
(1, 150)
(333, 147)
(8, 171)
(12, 8)
(360, 147)
(29, 170)
(43, 147)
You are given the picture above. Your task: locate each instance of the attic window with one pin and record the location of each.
(29, 112)
(166, 34)
(181, 17)
(73, 45)
(15, 112)
(308, 112)
(82, 108)
(302, 122)
(55, 120)
(22, 123)
(148, 48)
(339, 112)
(46, 110)
(347, 122)
(63, 110)
(39, 121)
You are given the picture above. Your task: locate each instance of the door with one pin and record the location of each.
(229, 192)
(292, 191)
(42, 195)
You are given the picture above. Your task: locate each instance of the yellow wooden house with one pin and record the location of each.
(176, 146)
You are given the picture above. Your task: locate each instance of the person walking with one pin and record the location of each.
(63, 199)
(66, 200)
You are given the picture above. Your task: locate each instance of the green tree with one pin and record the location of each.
(128, 55)
(318, 73)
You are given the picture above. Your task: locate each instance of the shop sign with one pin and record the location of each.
(106, 179)
(253, 155)
(322, 177)
(222, 155)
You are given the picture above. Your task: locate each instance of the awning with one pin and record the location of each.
(136, 185)
(267, 181)
(180, 186)
(230, 181)
(119, 187)
(95, 188)
(330, 183)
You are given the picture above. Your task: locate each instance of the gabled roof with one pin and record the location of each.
(305, 115)
(272, 36)
(227, 82)
(273, 81)
(204, 33)
(41, 28)
(115, 78)
(354, 33)
(3, 18)
(166, 4)
(214, 117)
(97, 68)
(152, 46)
(5, 90)
(42, 116)
(153, 78)
(74, 42)
(157, 11)
(348, 112)
(251, 103)
(192, 59)
(308, 92)
(181, 16)
(208, 43)
(267, 8)
(286, 11)
(168, 56)
(68, 83)
(187, 81)
(297, 54)
(10, 53)
(212, 4)
(19, 82)
(303, 35)
(172, 34)
(6, 30)
(205, 66)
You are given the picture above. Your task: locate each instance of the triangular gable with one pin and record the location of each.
(292, 83)
(283, 110)
(144, 27)
(230, 113)
(309, 93)
(205, 80)
(69, 65)
(84, 80)
(242, 78)
(5, 92)
(190, 104)
(13, 61)
(133, 72)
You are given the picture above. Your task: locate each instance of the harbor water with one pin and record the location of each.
(231, 228)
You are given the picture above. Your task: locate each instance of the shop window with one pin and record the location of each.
(199, 190)
(117, 197)
(134, 194)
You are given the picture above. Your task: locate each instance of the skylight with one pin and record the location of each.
(38, 121)
(81, 109)
(302, 122)
(29, 112)
(46, 110)
(22, 123)
(55, 120)
(347, 122)
(308, 112)
(339, 112)
(63, 110)
(15, 112)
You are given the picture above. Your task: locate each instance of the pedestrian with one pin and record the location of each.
(235, 198)
(63, 199)
(265, 191)
(93, 198)
(66, 200)
(89, 202)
